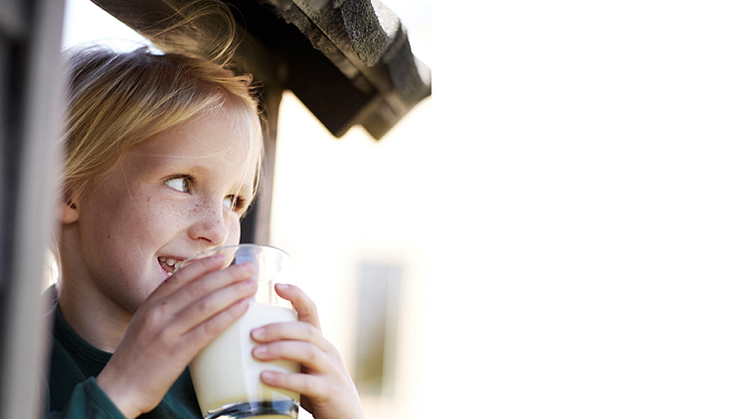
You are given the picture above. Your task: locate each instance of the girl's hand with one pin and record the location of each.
(324, 383)
(176, 321)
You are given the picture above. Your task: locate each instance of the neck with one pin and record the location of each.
(86, 307)
(100, 326)
(99, 320)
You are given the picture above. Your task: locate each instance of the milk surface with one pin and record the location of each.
(225, 372)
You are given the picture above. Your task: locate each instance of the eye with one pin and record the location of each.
(234, 203)
(181, 183)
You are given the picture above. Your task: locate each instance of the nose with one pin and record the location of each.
(209, 223)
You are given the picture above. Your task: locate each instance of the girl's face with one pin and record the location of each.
(181, 192)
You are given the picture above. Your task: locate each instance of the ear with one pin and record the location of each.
(68, 212)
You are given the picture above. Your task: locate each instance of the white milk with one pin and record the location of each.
(225, 372)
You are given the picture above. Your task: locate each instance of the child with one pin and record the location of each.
(162, 158)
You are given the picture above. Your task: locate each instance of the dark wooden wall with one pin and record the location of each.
(30, 108)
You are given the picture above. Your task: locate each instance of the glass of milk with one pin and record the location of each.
(224, 373)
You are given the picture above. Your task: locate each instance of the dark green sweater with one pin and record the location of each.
(72, 390)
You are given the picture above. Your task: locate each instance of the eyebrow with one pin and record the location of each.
(185, 165)
(167, 162)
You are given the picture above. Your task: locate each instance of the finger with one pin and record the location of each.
(308, 385)
(305, 307)
(313, 358)
(188, 274)
(191, 293)
(300, 331)
(203, 333)
(214, 302)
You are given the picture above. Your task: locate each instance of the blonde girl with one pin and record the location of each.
(162, 159)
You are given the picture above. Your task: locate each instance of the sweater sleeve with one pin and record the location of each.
(88, 401)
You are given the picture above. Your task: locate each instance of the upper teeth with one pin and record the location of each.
(168, 261)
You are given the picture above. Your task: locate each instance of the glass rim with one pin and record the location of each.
(231, 246)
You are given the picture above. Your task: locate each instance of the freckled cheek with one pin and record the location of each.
(173, 215)
(163, 217)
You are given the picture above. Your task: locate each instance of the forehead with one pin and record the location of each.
(216, 132)
(214, 143)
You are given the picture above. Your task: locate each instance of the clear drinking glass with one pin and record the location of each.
(224, 373)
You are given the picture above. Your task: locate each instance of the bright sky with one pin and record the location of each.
(85, 22)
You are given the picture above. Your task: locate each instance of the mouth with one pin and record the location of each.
(168, 264)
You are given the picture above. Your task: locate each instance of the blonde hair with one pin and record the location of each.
(117, 100)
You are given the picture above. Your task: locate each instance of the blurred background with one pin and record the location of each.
(558, 231)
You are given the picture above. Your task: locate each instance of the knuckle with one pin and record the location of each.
(155, 315)
(314, 354)
(332, 351)
(162, 338)
(211, 328)
(217, 324)
(197, 289)
(308, 330)
(202, 307)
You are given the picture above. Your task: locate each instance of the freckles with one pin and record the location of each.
(198, 209)
(175, 214)
(193, 211)
(205, 213)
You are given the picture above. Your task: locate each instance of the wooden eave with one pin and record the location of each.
(348, 61)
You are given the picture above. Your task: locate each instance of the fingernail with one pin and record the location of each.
(258, 334)
(260, 351)
(282, 286)
(268, 375)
